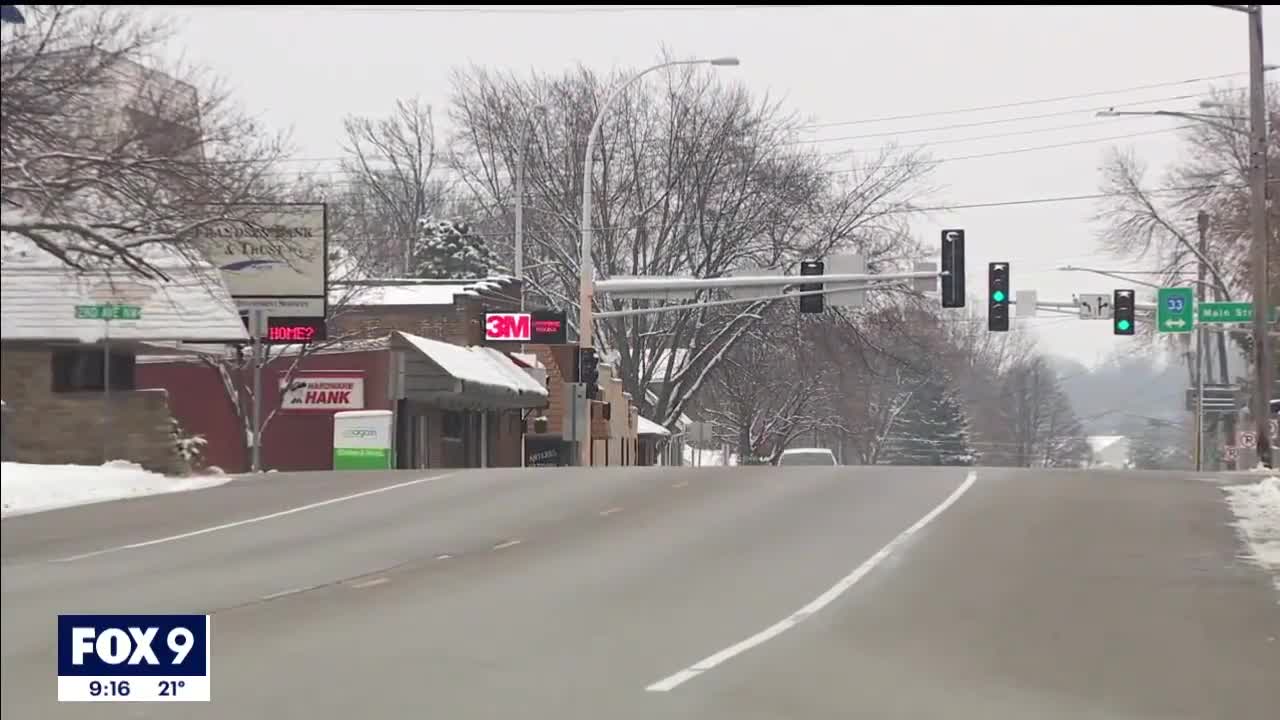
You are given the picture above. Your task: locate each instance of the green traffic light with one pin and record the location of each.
(998, 296)
(1123, 324)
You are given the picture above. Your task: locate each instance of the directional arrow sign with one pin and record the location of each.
(1174, 308)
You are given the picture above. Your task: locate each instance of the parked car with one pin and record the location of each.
(807, 456)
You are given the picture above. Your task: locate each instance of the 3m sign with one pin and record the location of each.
(323, 391)
(514, 327)
(540, 327)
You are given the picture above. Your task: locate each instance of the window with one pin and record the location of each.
(81, 370)
(451, 425)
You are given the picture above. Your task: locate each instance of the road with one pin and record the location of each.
(643, 593)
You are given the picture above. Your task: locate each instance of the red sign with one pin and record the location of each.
(517, 327)
(540, 327)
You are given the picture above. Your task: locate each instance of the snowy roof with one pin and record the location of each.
(652, 398)
(645, 426)
(1098, 443)
(40, 298)
(413, 291)
(477, 366)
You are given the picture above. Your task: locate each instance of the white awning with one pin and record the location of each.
(453, 375)
(645, 426)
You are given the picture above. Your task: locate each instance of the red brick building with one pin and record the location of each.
(415, 347)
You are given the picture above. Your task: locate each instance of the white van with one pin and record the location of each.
(807, 456)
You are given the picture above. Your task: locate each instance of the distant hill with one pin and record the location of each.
(1111, 398)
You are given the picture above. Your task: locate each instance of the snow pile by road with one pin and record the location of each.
(1257, 507)
(27, 488)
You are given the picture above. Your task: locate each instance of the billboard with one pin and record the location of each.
(540, 327)
(274, 258)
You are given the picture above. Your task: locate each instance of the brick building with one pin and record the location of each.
(416, 347)
(71, 388)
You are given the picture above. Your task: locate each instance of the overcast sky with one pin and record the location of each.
(305, 68)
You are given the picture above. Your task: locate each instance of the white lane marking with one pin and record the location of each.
(507, 544)
(681, 484)
(610, 511)
(443, 557)
(369, 583)
(670, 683)
(292, 591)
(260, 518)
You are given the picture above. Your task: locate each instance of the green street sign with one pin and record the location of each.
(1230, 312)
(1174, 308)
(108, 311)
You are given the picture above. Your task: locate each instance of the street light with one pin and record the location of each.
(586, 283)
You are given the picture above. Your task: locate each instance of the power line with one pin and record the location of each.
(496, 10)
(888, 166)
(1024, 103)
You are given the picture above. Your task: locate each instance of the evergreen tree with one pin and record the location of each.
(931, 429)
(449, 249)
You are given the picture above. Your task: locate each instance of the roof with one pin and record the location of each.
(40, 299)
(479, 369)
(413, 291)
(645, 426)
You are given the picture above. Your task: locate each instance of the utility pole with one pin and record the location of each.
(1258, 223)
(1202, 224)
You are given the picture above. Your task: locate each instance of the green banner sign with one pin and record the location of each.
(1230, 312)
(108, 311)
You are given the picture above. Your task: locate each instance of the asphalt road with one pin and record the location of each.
(743, 593)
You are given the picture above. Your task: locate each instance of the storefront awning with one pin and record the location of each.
(464, 378)
(645, 426)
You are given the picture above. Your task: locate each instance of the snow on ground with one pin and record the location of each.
(1257, 509)
(708, 458)
(28, 488)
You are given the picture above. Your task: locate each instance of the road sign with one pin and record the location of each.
(1230, 312)
(1217, 398)
(108, 311)
(1229, 453)
(1248, 440)
(1026, 303)
(1094, 306)
(1174, 310)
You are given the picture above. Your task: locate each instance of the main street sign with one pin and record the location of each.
(1174, 307)
(1230, 312)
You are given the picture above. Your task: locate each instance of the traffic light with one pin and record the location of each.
(998, 297)
(1122, 322)
(812, 303)
(953, 268)
(589, 371)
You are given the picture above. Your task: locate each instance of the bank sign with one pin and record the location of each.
(273, 257)
(323, 391)
(541, 327)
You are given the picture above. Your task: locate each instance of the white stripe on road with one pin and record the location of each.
(370, 583)
(507, 544)
(670, 683)
(260, 518)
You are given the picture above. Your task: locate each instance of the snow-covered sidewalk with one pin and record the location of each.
(28, 488)
(1257, 508)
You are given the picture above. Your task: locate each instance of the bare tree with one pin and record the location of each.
(393, 184)
(1045, 430)
(769, 389)
(693, 177)
(105, 159)
(1159, 221)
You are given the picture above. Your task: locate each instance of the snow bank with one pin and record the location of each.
(27, 488)
(1257, 507)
